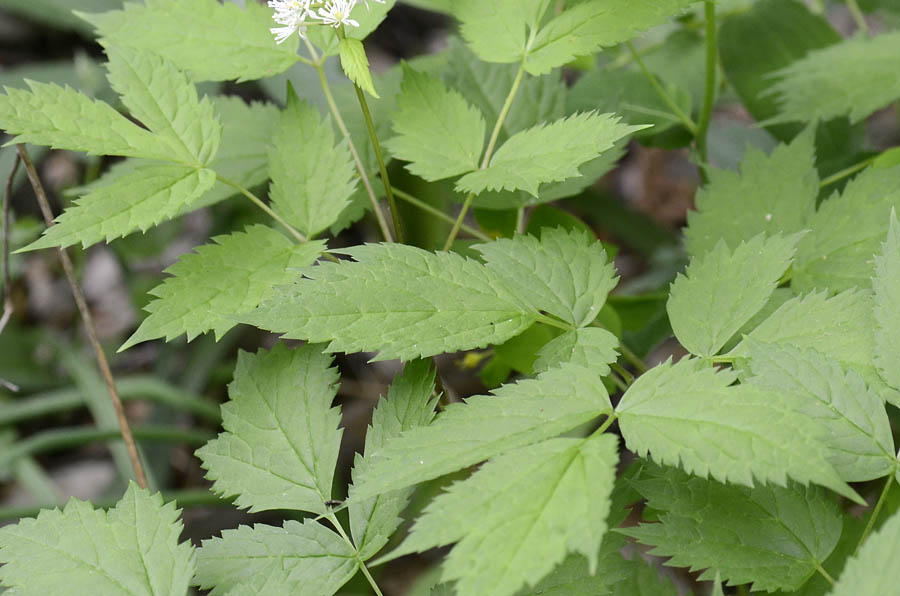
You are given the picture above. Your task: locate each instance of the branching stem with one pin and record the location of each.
(874, 516)
(362, 566)
(405, 196)
(268, 210)
(663, 94)
(709, 92)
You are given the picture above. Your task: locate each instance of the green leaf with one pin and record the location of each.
(209, 40)
(853, 78)
(165, 101)
(427, 111)
(356, 64)
(722, 290)
(772, 194)
(58, 13)
(136, 200)
(518, 516)
(409, 404)
(464, 434)
(873, 572)
(646, 580)
(688, 415)
(298, 558)
(369, 18)
(66, 119)
(497, 31)
(853, 422)
(591, 348)
(221, 280)
(402, 301)
(589, 26)
(281, 437)
(769, 536)
(564, 273)
(887, 306)
(547, 153)
(572, 577)
(132, 549)
(847, 232)
(312, 178)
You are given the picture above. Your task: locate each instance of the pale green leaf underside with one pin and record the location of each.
(355, 64)
(221, 280)
(772, 194)
(409, 404)
(486, 425)
(212, 41)
(312, 178)
(497, 31)
(847, 231)
(874, 570)
(853, 423)
(297, 558)
(853, 78)
(887, 306)
(592, 348)
(281, 437)
(769, 536)
(564, 273)
(547, 153)
(722, 290)
(437, 131)
(399, 300)
(518, 516)
(690, 416)
(131, 549)
(63, 118)
(136, 200)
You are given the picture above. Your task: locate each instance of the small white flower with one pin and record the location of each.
(292, 15)
(337, 13)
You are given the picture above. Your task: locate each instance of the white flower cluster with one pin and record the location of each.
(297, 15)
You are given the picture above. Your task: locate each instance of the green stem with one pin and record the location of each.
(606, 424)
(184, 498)
(520, 220)
(489, 152)
(846, 172)
(709, 95)
(858, 16)
(872, 518)
(259, 203)
(626, 376)
(405, 196)
(635, 360)
(663, 94)
(362, 566)
(554, 322)
(339, 120)
(824, 574)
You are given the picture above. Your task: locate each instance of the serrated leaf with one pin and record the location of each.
(369, 18)
(722, 290)
(166, 102)
(209, 40)
(690, 416)
(847, 232)
(646, 580)
(564, 273)
(572, 577)
(133, 548)
(854, 426)
(591, 348)
(589, 26)
(853, 78)
(497, 31)
(210, 287)
(409, 404)
(518, 516)
(66, 119)
(426, 111)
(136, 200)
(281, 437)
(772, 194)
(547, 153)
(402, 301)
(300, 557)
(886, 284)
(355, 64)
(872, 571)
(769, 536)
(312, 178)
(464, 434)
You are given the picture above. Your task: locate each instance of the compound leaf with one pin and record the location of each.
(689, 415)
(437, 131)
(722, 290)
(298, 557)
(133, 549)
(591, 348)
(887, 306)
(486, 425)
(404, 301)
(872, 571)
(221, 280)
(281, 437)
(518, 516)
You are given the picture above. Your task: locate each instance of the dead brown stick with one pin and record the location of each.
(127, 437)
(7, 280)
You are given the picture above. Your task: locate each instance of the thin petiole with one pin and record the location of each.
(259, 203)
(405, 196)
(709, 93)
(663, 94)
(874, 516)
(846, 172)
(330, 516)
(858, 17)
